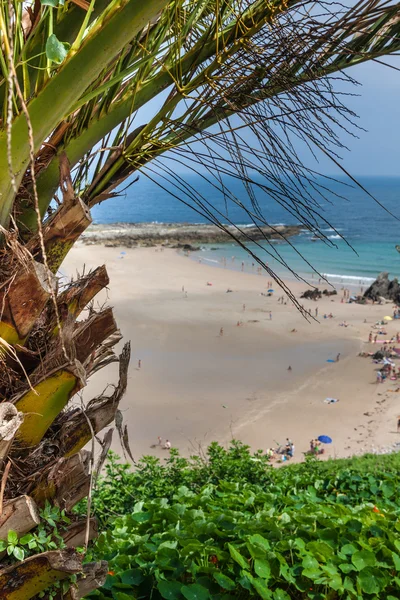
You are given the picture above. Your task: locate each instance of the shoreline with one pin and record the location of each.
(215, 247)
(195, 386)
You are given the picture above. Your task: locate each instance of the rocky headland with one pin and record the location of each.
(178, 235)
(383, 289)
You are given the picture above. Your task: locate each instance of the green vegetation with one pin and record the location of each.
(230, 526)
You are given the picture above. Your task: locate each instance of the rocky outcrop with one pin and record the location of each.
(383, 288)
(316, 294)
(178, 235)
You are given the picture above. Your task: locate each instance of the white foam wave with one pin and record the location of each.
(349, 278)
(334, 237)
(210, 260)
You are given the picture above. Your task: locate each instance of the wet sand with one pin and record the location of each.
(195, 386)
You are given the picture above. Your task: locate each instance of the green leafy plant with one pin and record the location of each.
(229, 526)
(46, 536)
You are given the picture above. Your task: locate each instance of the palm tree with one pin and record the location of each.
(75, 78)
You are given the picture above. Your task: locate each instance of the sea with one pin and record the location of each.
(359, 224)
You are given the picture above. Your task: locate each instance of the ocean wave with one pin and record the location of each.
(210, 260)
(349, 278)
(334, 237)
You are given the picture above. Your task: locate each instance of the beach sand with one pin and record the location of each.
(195, 386)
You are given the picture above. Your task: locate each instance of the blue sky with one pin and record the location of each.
(377, 151)
(376, 101)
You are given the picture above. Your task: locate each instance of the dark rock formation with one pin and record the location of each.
(178, 235)
(384, 288)
(316, 294)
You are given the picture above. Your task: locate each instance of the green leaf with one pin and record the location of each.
(120, 595)
(312, 573)
(309, 562)
(280, 594)
(237, 556)
(224, 581)
(285, 518)
(388, 489)
(348, 549)
(362, 559)
(348, 584)
(396, 560)
(195, 592)
(262, 589)
(259, 540)
(170, 590)
(262, 568)
(141, 517)
(132, 576)
(56, 51)
(371, 581)
(347, 568)
(19, 553)
(26, 539)
(12, 537)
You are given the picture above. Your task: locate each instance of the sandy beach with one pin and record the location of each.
(195, 385)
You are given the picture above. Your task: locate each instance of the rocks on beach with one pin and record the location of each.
(383, 288)
(178, 235)
(316, 294)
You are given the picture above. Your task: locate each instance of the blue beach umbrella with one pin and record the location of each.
(271, 290)
(325, 439)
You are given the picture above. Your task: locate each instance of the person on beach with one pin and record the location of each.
(316, 311)
(375, 338)
(221, 332)
(338, 357)
(398, 424)
(139, 363)
(289, 368)
(167, 445)
(370, 338)
(244, 307)
(270, 315)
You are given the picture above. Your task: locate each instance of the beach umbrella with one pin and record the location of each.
(271, 290)
(388, 318)
(325, 439)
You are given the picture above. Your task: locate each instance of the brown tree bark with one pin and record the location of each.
(64, 483)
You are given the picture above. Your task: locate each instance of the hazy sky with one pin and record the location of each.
(377, 151)
(377, 104)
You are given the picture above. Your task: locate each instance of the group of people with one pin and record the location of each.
(387, 371)
(283, 453)
(166, 446)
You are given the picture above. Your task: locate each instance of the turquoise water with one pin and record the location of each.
(371, 233)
